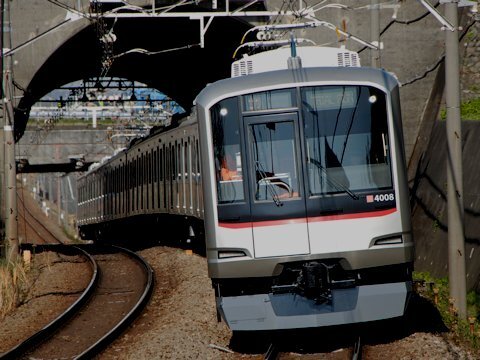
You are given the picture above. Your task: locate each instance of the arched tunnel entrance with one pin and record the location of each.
(180, 68)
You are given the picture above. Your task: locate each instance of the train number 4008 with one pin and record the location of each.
(380, 198)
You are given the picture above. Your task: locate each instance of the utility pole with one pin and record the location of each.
(375, 33)
(456, 232)
(8, 187)
(2, 124)
(456, 236)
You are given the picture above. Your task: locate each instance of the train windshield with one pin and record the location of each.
(345, 147)
(346, 136)
(273, 155)
(227, 151)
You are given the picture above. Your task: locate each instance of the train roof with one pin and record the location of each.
(178, 121)
(294, 77)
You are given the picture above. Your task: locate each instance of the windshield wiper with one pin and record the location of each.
(266, 181)
(336, 184)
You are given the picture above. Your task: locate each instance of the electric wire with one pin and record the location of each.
(402, 22)
(69, 8)
(437, 63)
(147, 52)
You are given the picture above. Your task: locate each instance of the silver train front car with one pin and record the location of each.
(307, 215)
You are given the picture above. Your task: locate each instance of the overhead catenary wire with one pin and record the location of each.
(148, 52)
(69, 8)
(401, 22)
(269, 43)
(437, 63)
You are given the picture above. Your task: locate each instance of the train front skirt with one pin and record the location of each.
(291, 311)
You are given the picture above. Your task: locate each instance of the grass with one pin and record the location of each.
(13, 285)
(469, 110)
(437, 290)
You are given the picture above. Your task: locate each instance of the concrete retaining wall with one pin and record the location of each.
(430, 218)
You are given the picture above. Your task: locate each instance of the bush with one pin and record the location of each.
(439, 288)
(469, 110)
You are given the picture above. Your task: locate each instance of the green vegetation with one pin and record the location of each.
(469, 110)
(437, 291)
(471, 35)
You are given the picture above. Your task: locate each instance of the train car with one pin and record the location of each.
(310, 224)
(305, 200)
(155, 181)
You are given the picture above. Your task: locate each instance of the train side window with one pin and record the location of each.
(150, 163)
(130, 174)
(179, 162)
(134, 174)
(172, 172)
(153, 156)
(143, 171)
(160, 166)
(198, 159)
(143, 180)
(178, 173)
(147, 166)
(186, 159)
(227, 152)
(155, 166)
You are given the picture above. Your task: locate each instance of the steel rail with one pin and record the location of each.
(49, 329)
(272, 352)
(357, 349)
(27, 211)
(96, 348)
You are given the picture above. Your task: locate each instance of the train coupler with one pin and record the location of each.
(314, 280)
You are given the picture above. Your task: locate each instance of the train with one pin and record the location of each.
(292, 173)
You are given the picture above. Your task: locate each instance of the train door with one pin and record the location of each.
(278, 209)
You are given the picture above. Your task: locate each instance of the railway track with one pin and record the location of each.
(118, 291)
(354, 352)
(37, 227)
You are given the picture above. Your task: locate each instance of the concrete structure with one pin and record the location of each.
(73, 51)
(41, 146)
(429, 204)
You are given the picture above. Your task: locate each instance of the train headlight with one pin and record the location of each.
(223, 111)
(230, 254)
(389, 241)
(372, 99)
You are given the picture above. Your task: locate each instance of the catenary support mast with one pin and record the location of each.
(456, 236)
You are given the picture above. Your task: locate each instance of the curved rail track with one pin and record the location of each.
(50, 328)
(44, 234)
(120, 289)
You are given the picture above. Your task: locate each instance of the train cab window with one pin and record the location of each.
(266, 100)
(227, 153)
(346, 138)
(274, 160)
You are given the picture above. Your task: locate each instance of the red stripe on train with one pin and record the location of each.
(310, 219)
